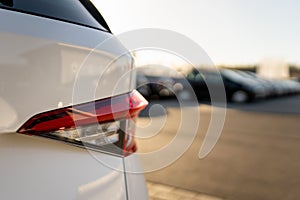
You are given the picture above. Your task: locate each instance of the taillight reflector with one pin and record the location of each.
(94, 125)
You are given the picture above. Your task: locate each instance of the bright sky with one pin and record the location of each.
(230, 31)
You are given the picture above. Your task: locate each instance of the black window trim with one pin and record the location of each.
(91, 9)
(95, 13)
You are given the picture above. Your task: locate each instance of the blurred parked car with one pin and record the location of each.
(143, 85)
(276, 87)
(52, 145)
(289, 86)
(268, 86)
(163, 86)
(237, 88)
(240, 86)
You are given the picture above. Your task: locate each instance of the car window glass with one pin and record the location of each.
(199, 77)
(232, 75)
(212, 77)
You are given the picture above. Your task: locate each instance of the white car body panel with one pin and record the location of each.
(38, 73)
(40, 60)
(39, 168)
(136, 187)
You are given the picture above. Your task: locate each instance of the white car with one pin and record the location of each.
(66, 121)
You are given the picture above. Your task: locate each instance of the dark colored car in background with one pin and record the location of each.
(237, 88)
(240, 86)
(157, 87)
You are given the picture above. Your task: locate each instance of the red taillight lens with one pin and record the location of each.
(101, 125)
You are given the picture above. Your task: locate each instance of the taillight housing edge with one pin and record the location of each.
(103, 125)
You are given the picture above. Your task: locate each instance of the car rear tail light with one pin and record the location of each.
(104, 125)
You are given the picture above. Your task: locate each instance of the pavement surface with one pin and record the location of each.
(256, 157)
(282, 105)
(164, 192)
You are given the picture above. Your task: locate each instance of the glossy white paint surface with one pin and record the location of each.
(39, 168)
(40, 62)
(136, 187)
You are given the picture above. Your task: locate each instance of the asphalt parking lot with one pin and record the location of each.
(256, 157)
(165, 192)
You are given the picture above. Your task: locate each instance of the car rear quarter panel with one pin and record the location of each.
(38, 168)
(46, 64)
(41, 60)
